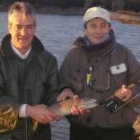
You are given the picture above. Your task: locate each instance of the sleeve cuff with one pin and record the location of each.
(22, 111)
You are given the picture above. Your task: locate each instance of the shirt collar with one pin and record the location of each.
(20, 55)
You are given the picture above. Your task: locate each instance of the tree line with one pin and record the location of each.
(130, 5)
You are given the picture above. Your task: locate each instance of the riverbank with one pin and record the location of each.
(126, 18)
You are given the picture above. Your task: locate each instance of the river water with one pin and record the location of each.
(57, 33)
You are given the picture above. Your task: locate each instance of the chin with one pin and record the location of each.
(99, 41)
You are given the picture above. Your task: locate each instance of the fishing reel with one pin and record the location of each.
(112, 104)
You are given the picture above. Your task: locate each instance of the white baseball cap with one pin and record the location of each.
(96, 12)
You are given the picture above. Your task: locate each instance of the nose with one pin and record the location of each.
(98, 30)
(23, 31)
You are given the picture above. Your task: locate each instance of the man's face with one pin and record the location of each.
(97, 29)
(22, 30)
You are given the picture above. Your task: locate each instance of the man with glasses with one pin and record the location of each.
(99, 67)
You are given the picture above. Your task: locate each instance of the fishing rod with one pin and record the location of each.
(113, 103)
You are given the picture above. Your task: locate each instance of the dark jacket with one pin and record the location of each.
(32, 81)
(112, 66)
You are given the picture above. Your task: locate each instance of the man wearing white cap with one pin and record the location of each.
(99, 67)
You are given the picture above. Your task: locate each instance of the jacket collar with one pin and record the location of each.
(6, 48)
(96, 50)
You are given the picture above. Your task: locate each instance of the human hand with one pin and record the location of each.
(136, 125)
(76, 109)
(124, 93)
(40, 113)
(64, 94)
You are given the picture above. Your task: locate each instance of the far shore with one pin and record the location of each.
(122, 16)
(126, 18)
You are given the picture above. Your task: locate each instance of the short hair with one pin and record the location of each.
(21, 7)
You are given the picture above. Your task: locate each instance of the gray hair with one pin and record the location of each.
(24, 8)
